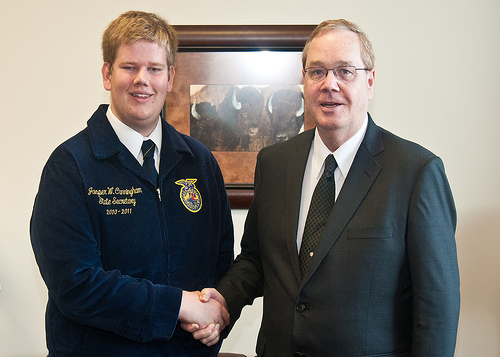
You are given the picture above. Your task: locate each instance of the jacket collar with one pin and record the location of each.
(363, 173)
(296, 165)
(105, 143)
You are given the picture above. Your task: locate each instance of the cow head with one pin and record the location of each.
(286, 113)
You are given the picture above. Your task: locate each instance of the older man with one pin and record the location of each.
(350, 236)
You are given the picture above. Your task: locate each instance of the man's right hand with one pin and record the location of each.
(203, 315)
(212, 302)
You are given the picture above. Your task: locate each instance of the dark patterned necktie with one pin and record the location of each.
(148, 150)
(319, 210)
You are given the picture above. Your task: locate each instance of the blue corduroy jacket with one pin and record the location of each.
(115, 253)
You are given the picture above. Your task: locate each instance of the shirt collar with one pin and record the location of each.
(131, 138)
(344, 155)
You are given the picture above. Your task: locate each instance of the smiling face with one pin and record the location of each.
(337, 108)
(138, 81)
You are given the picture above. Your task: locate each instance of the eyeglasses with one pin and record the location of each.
(343, 73)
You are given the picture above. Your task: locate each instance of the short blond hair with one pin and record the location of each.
(133, 26)
(367, 54)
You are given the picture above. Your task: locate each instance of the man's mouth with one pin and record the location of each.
(330, 105)
(139, 95)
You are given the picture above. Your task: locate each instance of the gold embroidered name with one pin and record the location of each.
(115, 195)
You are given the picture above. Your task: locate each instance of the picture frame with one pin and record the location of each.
(233, 55)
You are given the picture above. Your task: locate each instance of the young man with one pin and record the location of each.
(131, 218)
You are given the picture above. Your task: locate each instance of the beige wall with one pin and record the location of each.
(437, 83)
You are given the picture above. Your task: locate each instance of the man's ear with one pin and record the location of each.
(371, 82)
(106, 76)
(171, 75)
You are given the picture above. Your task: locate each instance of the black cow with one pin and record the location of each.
(228, 118)
(205, 123)
(285, 107)
(243, 109)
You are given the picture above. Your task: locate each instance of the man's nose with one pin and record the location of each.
(331, 82)
(142, 77)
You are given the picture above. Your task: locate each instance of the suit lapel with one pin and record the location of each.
(296, 164)
(362, 175)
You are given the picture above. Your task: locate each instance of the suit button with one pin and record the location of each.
(300, 308)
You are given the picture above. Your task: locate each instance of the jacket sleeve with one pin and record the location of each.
(433, 263)
(244, 281)
(68, 255)
(226, 240)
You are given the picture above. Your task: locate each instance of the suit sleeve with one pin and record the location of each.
(433, 264)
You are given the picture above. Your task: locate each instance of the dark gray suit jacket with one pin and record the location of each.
(384, 279)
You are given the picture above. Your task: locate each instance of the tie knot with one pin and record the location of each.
(330, 164)
(148, 148)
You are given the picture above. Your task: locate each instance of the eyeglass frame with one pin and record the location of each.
(334, 70)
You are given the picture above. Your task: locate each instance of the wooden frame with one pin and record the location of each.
(219, 55)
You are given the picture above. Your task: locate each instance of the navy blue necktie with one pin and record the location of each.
(319, 210)
(148, 150)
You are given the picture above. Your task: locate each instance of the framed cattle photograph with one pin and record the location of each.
(237, 89)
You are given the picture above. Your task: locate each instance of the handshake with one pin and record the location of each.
(204, 315)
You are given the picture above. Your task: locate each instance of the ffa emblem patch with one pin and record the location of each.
(190, 196)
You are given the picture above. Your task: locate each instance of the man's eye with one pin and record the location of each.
(155, 70)
(318, 72)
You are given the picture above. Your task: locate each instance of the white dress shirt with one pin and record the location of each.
(133, 140)
(315, 166)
